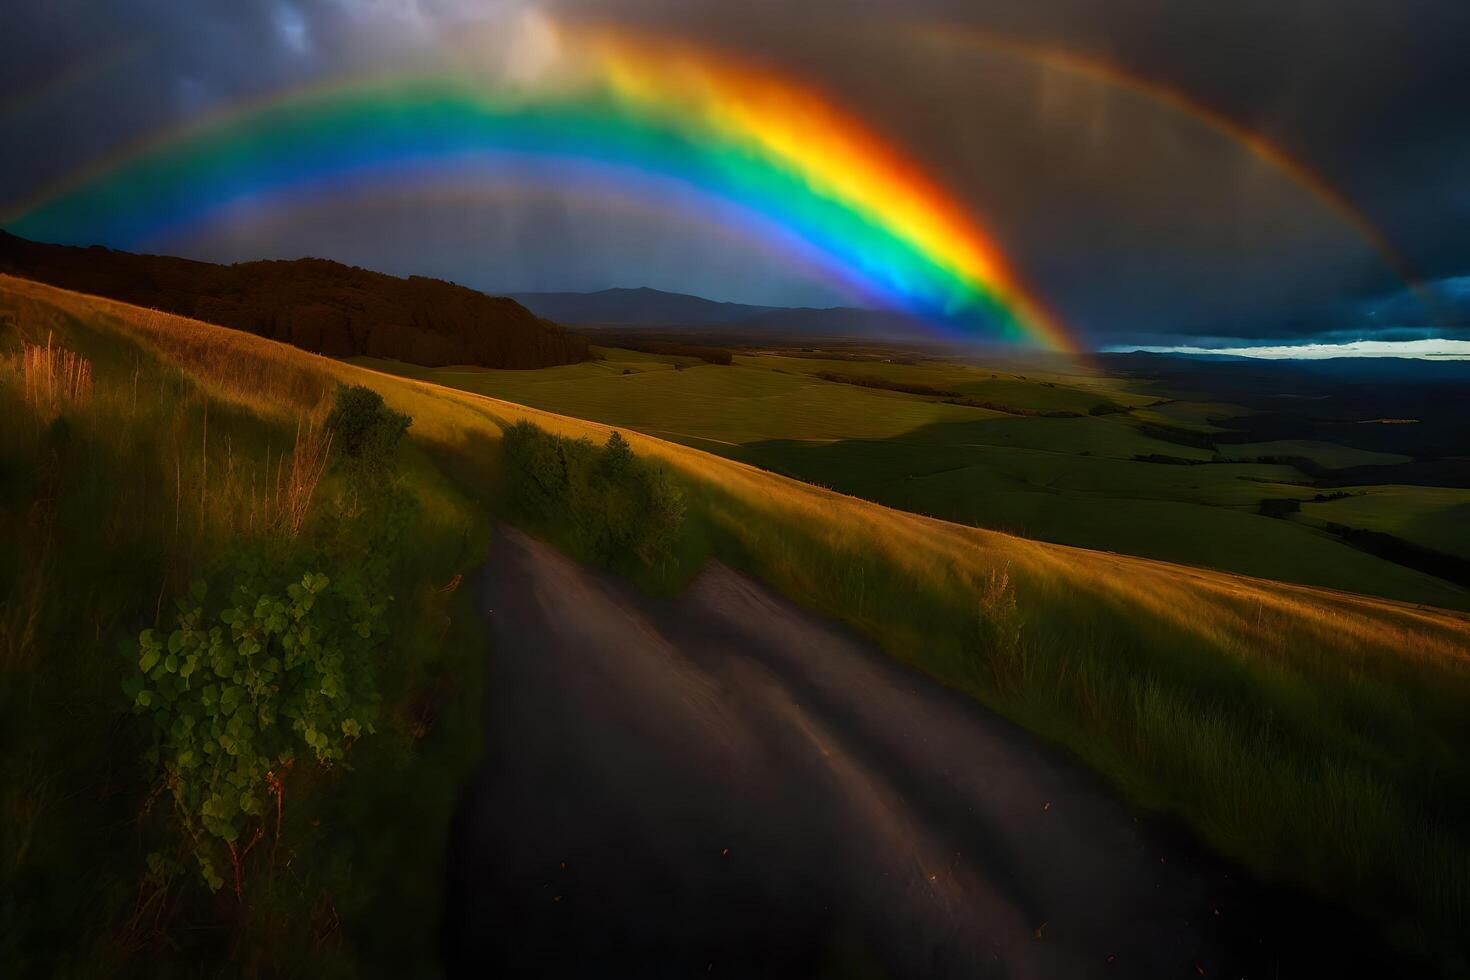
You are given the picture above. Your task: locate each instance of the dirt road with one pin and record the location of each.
(727, 785)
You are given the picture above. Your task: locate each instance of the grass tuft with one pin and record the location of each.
(54, 379)
(296, 484)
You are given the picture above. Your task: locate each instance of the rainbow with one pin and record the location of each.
(760, 143)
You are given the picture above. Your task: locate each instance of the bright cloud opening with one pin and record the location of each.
(1426, 350)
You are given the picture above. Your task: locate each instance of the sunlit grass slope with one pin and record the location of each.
(1101, 482)
(1317, 736)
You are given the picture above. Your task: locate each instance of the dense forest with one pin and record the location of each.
(314, 304)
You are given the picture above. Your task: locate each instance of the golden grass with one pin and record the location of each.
(54, 379)
(253, 372)
(296, 484)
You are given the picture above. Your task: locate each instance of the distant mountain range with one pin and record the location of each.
(637, 307)
(654, 308)
(314, 304)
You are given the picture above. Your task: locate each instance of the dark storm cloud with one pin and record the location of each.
(1131, 218)
(81, 77)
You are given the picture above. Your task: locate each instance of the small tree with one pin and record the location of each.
(663, 513)
(538, 472)
(617, 455)
(365, 435)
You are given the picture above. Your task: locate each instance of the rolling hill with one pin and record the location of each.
(314, 304)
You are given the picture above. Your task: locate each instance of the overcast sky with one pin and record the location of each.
(1135, 219)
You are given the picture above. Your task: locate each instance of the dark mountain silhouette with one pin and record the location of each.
(315, 304)
(641, 307)
(644, 307)
(837, 321)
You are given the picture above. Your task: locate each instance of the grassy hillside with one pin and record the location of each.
(1113, 481)
(1316, 736)
(136, 470)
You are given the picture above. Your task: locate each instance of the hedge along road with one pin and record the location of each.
(727, 785)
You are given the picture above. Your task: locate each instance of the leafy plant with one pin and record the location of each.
(237, 697)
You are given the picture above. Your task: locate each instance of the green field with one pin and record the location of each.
(1072, 480)
(1325, 454)
(1437, 518)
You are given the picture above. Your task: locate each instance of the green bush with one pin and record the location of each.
(238, 696)
(365, 435)
(537, 479)
(610, 506)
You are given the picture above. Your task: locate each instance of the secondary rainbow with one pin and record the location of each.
(1178, 100)
(761, 142)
